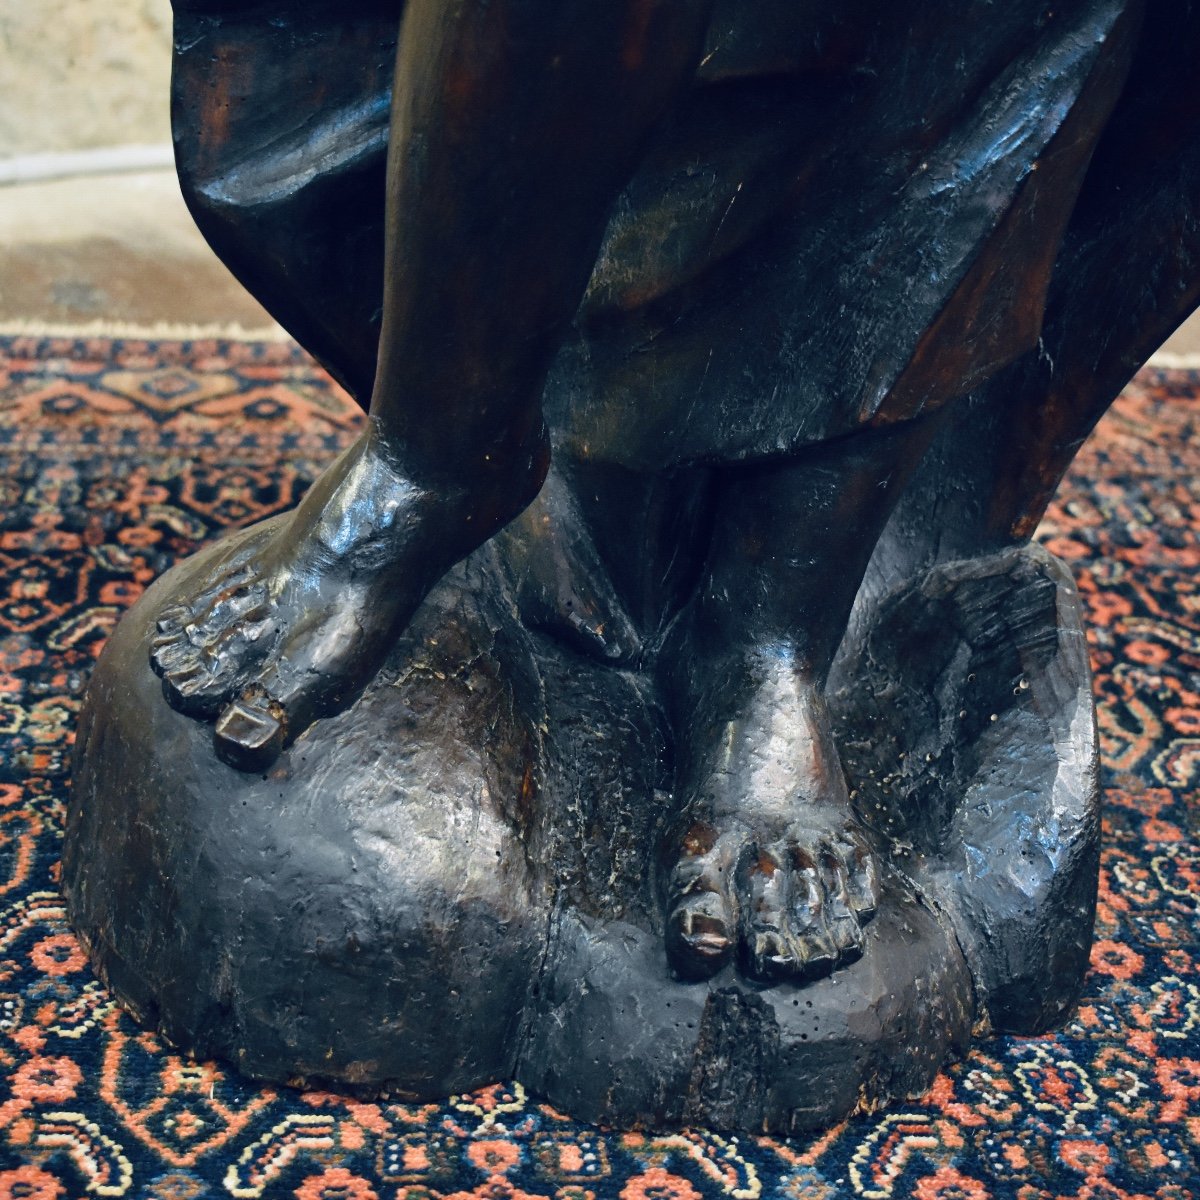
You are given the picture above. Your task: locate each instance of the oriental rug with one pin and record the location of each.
(118, 456)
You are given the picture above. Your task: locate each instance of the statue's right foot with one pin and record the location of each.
(773, 872)
(294, 623)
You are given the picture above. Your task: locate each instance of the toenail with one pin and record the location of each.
(249, 736)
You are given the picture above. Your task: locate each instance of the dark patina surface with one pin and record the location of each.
(660, 703)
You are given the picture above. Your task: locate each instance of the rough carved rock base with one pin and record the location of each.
(455, 881)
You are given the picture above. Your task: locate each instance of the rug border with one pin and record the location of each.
(234, 331)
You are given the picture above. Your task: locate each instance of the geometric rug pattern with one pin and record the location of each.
(118, 457)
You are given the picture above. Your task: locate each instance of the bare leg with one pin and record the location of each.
(514, 124)
(768, 862)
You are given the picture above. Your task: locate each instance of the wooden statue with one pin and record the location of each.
(660, 702)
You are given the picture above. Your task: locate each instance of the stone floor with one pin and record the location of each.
(122, 249)
(112, 248)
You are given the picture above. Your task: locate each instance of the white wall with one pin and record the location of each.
(83, 74)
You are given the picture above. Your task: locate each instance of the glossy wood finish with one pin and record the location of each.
(736, 346)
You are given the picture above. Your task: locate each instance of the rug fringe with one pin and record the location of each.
(1174, 362)
(167, 330)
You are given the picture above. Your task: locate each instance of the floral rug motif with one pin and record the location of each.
(118, 457)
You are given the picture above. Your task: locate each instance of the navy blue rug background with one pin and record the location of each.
(118, 457)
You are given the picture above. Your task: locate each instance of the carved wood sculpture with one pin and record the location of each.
(661, 701)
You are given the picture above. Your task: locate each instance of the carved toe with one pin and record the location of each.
(700, 936)
(169, 652)
(768, 951)
(250, 734)
(816, 948)
(768, 955)
(172, 619)
(861, 876)
(702, 921)
(230, 609)
(189, 687)
(842, 920)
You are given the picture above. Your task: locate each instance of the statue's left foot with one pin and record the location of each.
(787, 903)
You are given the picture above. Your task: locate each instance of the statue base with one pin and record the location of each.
(455, 880)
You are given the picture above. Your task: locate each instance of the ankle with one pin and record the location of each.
(474, 499)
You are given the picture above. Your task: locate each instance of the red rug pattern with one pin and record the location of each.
(119, 456)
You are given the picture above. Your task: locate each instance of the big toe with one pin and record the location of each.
(701, 922)
(250, 733)
(700, 935)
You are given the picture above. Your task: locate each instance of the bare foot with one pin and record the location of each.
(561, 583)
(773, 870)
(294, 623)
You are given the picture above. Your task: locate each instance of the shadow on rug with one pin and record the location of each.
(119, 457)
